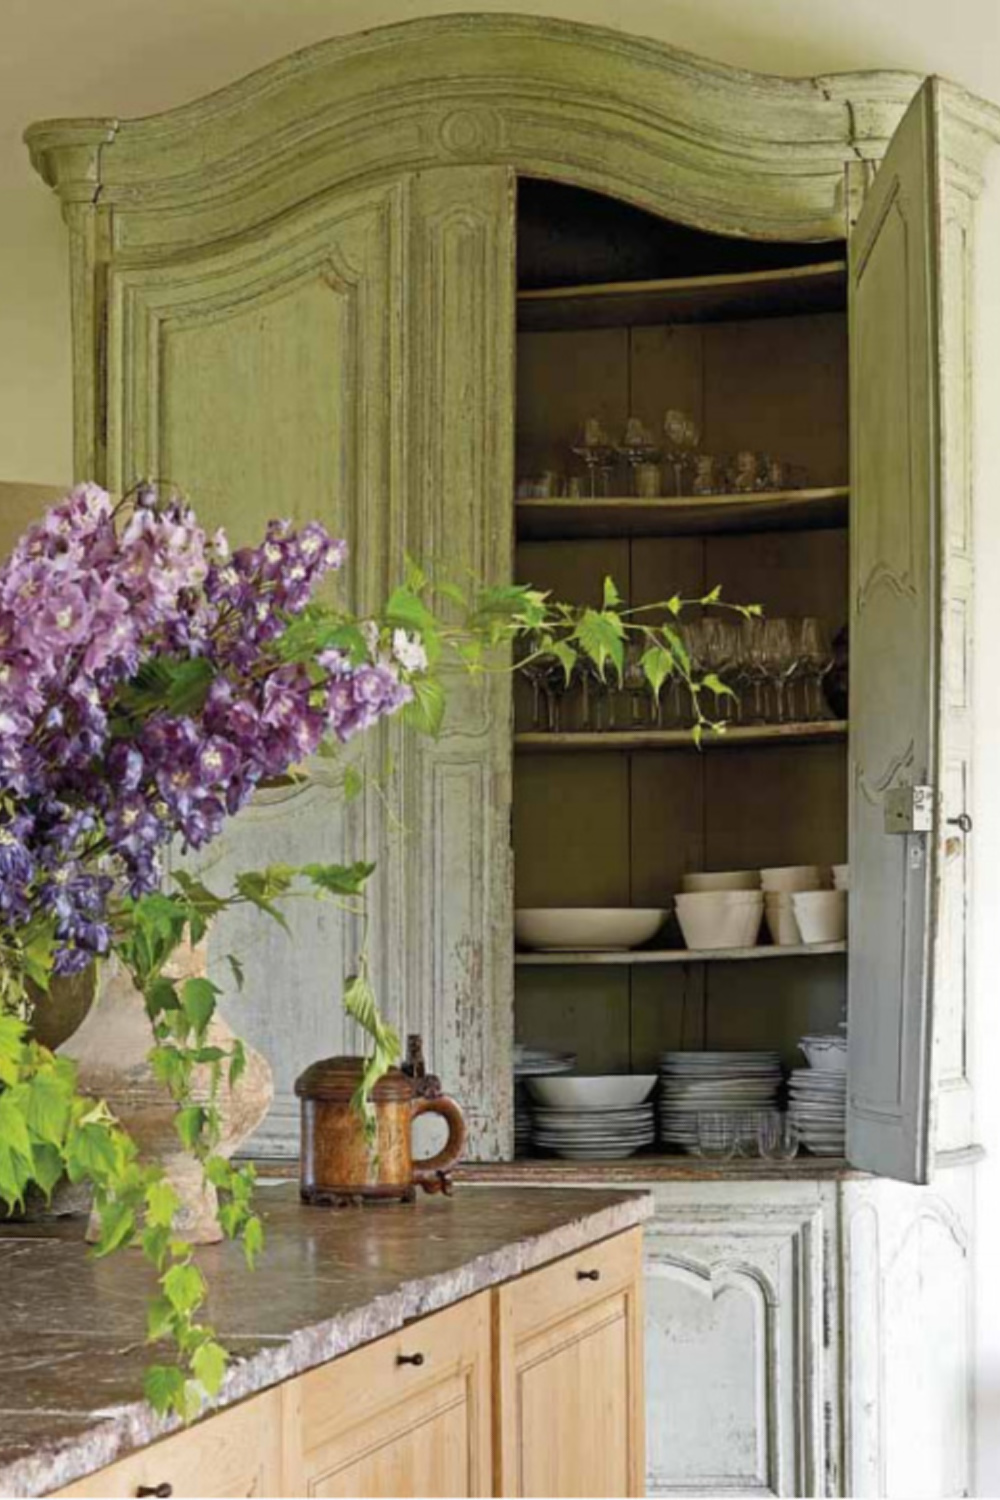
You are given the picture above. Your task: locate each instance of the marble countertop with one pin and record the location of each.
(73, 1328)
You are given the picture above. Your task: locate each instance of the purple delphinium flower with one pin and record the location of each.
(92, 787)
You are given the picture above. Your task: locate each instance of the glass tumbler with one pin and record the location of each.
(716, 1136)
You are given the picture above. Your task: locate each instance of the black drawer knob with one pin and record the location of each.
(409, 1359)
(588, 1275)
(161, 1491)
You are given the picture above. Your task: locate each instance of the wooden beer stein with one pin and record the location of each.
(339, 1167)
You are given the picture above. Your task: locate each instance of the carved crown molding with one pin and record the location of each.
(714, 146)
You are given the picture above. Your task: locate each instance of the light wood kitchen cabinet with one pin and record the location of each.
(407, 1415)
(532, 1388)
(568, 1356)
(238, 1452)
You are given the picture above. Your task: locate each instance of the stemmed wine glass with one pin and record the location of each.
(637, 448)
(681, 432)
(597, 451)
(816, 657)
(720, 655)
(547, 677)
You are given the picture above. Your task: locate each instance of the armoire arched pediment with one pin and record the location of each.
(711, 146)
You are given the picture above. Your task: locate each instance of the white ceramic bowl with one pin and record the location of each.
(825, 1054)
(841, 877)
(720, 919)
(721, 880)
(586, 929)
(782, 925)
(793, 878)
(601, 1092)
(821, 915)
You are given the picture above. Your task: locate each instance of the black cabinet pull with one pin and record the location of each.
(588, 1275)
(963, 821)
(409, 1359)
(161, 1491)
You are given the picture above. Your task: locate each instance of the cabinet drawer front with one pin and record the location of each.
(237, 1452)
(407, 1415)
(555, 1292)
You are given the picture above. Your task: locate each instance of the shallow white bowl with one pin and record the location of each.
(825, 1054)
(587, 929)
(793, 878)
(715, 920)
(595, 1093)
(821, 915)
(721, 880)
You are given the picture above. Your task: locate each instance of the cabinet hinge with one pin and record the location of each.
(909, 809)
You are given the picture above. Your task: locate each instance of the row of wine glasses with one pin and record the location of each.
(692, 472)
(772, 671)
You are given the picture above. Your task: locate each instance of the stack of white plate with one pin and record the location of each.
(817, 1103)
(592, 1119)
(533, 1062)
(694, 1083)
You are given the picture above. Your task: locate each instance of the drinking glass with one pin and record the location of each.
(681, 433)
(709, 476)
(716, 1140)
(749, 1123)
(778, 1137)
(635, 684)
(816, 658)
(745, 473)
(755, 666)
(721, 655)
(780, 660)
(548, 684)
(596, 695)
(595, 448)
(639, 452)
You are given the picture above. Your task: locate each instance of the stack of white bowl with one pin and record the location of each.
(694, 1083)
(592, 1119)
(720, 909)
(533, 1062)
(817, 1095)
(799, 906)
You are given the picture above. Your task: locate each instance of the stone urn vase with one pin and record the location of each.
(111, 1050)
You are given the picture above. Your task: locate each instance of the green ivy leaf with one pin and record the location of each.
(339, 880)
(47, 1111)
(611, 594)
(425, 711)
(209, 1365)
(163, 1387)
(198, 1003)
(600, 636)
(160, 1319)
(354, 783)
(238, 972)
(162, 1203)
(184, 1288)
(237, 1062)
(657, 665)
(12, 1034)
(117, 1226)
(253, 1239)
(189, 1123)
(46, 1167)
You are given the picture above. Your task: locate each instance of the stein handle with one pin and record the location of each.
(431, 1174)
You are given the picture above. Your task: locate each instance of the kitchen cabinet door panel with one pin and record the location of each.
(568, 1351)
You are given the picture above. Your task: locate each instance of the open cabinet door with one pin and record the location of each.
(911, 594)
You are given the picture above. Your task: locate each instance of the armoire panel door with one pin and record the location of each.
(266, 380)
(459, 956)
(911, 590)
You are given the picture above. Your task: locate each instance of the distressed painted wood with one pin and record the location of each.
(908, 1337)
(735, 1297)
(911, 603)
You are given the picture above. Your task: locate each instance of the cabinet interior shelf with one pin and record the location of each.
(550, 742)
(688, 299)
(681, 515)
(682, 955)
(685, 299)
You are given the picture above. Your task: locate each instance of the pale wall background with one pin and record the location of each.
(134, 57)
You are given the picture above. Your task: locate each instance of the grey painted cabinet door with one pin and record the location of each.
(352, 361)
(910, 287)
